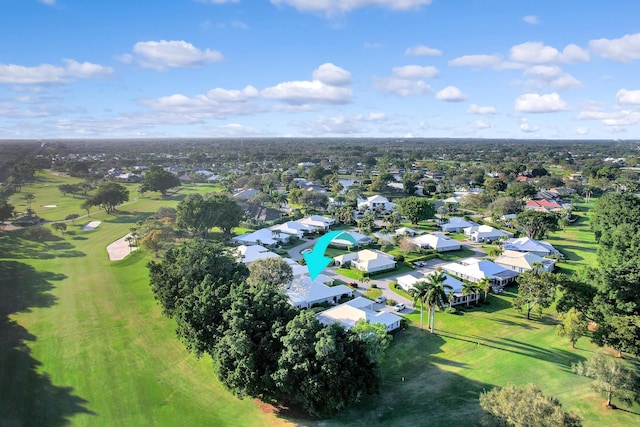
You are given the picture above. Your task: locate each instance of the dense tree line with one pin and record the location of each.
(609, 294)
(262, 347)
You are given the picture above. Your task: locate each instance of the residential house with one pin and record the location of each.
(360, 239)
(485, 233)
(456, 225)
(475, 270)
(376, 202)
(264, 236)
(303, 292)
(317, 221)
(297, 269)
(543, 205)
(526, 244)
(408, 281)
(349, 313)
(294, 228)
(405, 231)
(524, 261)
(245, 195)
(367, 260)
(436, 241)
(249, 254)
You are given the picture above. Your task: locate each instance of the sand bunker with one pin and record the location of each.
(91, 225)
(120, 249)
(50, 206)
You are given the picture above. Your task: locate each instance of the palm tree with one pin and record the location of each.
(469, 288)
(485, 286)
(419, 292)
(436, 295)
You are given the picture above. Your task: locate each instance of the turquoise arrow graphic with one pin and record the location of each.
(316, 261)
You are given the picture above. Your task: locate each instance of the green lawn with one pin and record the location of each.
(82, 342)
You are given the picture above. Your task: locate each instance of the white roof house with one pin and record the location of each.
(294, 228)
(249, 254)
(246, 194)
(297, 269)
(408, 281)
(369, 261)
(525, 244)
(485, 233)
(523, 261)
(437, 242)
(375, 202)
(405, 231)
(361, 239)
(304, 292)
(264, 236)
(317, 221)
(475, 270)
(349, 313)
(456, 225)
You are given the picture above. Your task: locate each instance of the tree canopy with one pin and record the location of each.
(536, 224)
(611, 376)
(274, 272)
(524, 407)
(537, 290)
(415, 209)
(157, 179)
(109, 195)
(198, 214)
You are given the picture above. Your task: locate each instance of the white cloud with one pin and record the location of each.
(531, 19)
(476, 61)
(553, 76)
(624, 49)
(623, 118)
(48, 2)
(525, 126)
(306, 92)
(332, 75)
(217, 103)
(534, 53)
(536, 103)
(341, 124)
(582, 131)
(573, 53)
(333, 7)
(625, 96)
(401, 87)
(415, 72)
(47, 73)
(479, 109)
(164, 54)
(451, 94)
(482, 124)
(539, 53)
(422, 50)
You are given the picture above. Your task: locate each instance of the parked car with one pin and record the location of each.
(381, 299)
(399, 307)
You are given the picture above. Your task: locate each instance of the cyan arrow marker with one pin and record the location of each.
(316, 261)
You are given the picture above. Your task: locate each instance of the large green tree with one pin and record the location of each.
(524, 407)
(324, 369)
(611, 376)
(183, 268)
(6, 210)
(537, 290)
(416, 209)
(275, 272)
(109, 195)
(246, 357)
(157, 179)
(198, 214)
(521, 190)
(536, 224)
(616, 221)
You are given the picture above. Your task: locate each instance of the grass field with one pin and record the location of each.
(82, 342)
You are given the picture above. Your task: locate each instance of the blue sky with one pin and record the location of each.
(358, 68)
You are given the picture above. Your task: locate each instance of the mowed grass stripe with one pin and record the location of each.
(106, 339)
